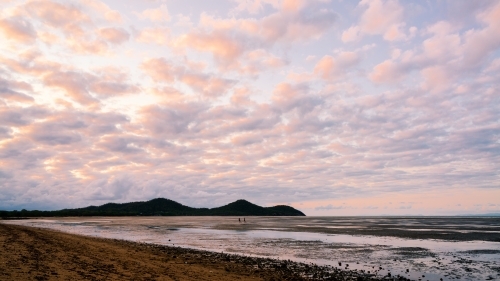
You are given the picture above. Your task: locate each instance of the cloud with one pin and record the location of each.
(53, 134)
(11, 91)
(114, 35)
(18, 29)
(253, 7)
(379, 18)
(120, 144)
(329, 207)
(56, 14)
(249, 101)
(159, 69)
(386, 72)
(259, 60)
(479, 43)
(206, 85)
(229, 39)
(11, 95)
(110, 82)
(74, 84)
(103, 9)
(159, 14)
(444, 56)
(112, 189)
(86, 88)
(246, 139)
(220, 44)
(171, 120)
(78, 25)
(156, 35)
(330, 68)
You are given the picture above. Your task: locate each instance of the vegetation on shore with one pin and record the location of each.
(161, 207)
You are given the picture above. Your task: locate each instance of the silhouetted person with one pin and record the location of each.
(244, 220)
(239, 219)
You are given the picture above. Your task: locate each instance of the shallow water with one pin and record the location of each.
(393, 244)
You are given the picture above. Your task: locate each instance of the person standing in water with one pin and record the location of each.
(239, 219)
(244, 220)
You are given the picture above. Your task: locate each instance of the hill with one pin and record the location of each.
(245, 208)
(161, 207)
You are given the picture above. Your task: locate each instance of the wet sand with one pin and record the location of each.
(28, 253)
(440, 228)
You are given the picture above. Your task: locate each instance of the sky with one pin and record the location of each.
(379, 107)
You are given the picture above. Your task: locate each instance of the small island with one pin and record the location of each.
(161, 207)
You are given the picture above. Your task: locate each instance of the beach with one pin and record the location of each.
(425, 248)
(29, 253)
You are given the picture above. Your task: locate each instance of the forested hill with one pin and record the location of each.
(161, 207)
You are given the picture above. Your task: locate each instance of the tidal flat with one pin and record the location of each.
(417, 248)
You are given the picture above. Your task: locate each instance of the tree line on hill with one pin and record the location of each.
(160, 207)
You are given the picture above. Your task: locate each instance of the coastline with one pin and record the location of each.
(29, 253)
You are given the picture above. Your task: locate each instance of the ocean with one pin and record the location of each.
(420, 248)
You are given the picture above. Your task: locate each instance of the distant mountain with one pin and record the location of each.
(162, 207)
(245, 208)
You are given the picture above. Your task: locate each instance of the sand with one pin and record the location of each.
(30, 253)
(40, 254)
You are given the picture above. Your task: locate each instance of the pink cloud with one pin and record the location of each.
(18, 29)
(305, 25)
(445, 55)
(114, 35)
(379, 17)
(351, 34)
(229, 39)
(479, 43)
(257, 61)
(325, 67)
(76, 24)
(159, 69)
(159, 14)
(247, 139)
(168, 94)
(95, 47)
(103, 9)
(436, 79)
(386, 72)
(155, 35)
(48, 38)
(241, 96)
(285, 92)
(443, 45)
(207, 85)
(73, 84)
(293, 5)
(31, 63)
(56, 14)
(341, 148)
(330, 68)
(224, 48)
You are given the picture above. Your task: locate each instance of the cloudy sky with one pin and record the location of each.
(334, 107)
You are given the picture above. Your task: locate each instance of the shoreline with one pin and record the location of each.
(29, 253)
